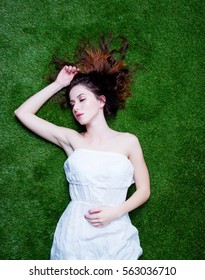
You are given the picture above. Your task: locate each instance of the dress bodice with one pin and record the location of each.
(98, 177)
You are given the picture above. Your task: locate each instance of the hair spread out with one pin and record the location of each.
(103, 71)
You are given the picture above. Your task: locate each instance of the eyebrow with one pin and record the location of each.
(77, 97)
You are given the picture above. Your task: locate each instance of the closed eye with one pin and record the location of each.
(72, 104)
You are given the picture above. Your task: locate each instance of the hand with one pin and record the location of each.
(66, 75)
(102, 216)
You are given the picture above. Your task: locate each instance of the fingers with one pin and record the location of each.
(93, 218)
(94, 211)
(91, 214)
(100, 216)
(71, 69)
(94, 222)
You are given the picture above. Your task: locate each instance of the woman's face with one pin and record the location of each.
(85, 105)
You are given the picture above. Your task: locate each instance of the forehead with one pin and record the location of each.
(79, 90)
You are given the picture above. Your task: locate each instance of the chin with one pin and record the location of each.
(86, 120)
(82, 122)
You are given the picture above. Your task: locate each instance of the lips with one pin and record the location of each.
(78, 115)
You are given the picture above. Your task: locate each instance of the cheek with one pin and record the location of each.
(89, 105)
(95, 103)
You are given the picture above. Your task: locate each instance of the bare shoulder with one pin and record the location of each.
(68, 138)
(133, 145)
(69, 131)
(129, 136)
(64, 134)
(74, 137)
(130, 142)
(130, 139)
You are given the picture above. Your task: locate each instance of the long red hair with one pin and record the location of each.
(104, 68)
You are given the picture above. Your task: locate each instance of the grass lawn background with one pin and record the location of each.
(166, 112)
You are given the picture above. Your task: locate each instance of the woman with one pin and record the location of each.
(102, 163)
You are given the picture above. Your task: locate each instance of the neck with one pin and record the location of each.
(98, 129)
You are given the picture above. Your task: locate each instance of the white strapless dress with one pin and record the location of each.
(96, 179)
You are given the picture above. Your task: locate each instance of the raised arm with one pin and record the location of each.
(26, 112)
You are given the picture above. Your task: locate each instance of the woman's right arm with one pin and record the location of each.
(26, 112)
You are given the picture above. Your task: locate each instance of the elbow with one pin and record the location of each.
(20, 114)
(147, 194)
(17, 113)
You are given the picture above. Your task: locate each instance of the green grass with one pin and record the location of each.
(166, 112)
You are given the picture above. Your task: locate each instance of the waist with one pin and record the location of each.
(79, 206)
(93, 203)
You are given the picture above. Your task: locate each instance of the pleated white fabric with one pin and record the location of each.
(96, 179)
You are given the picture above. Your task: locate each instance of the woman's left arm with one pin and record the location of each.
(141, 176)
(103, 216)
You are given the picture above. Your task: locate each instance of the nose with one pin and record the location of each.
(75, 108)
